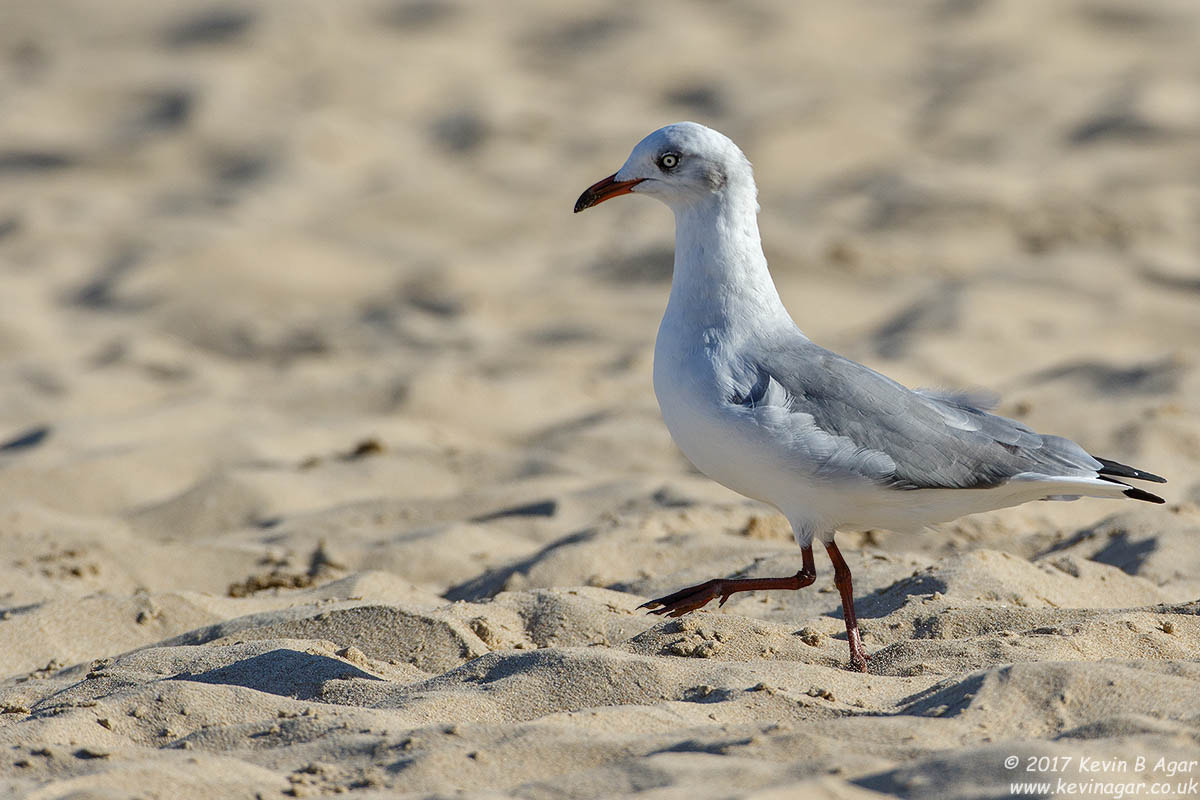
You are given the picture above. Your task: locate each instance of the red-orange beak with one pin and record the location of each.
(603, 190)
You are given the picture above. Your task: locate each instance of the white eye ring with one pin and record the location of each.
(668, 160)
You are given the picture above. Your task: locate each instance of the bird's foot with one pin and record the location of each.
(689, 599)
(858, 661)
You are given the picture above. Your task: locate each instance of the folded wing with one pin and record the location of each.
(910, 439)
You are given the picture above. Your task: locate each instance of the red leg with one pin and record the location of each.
(693, 597)
(841, 579)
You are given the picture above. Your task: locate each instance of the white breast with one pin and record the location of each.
(733, 445)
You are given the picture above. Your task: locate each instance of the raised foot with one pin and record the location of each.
(679, 603)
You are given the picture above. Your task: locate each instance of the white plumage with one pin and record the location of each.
(758, 407)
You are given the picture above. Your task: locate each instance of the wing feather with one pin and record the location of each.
(908, 439)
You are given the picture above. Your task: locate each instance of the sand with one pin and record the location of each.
(329, 460)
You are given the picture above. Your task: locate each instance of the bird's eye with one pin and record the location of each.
(668, 160)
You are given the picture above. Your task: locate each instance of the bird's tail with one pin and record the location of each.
(1111, 470)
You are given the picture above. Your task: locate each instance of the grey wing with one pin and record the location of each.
(911, 439)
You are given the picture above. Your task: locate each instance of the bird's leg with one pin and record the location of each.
(841, 579)
(693, 597)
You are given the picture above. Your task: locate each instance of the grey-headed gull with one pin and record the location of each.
(832, 444)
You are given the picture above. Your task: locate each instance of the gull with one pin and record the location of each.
(832, 444)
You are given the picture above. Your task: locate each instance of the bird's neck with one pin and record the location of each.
(721, 280)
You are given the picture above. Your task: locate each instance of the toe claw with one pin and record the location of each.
(685, 600)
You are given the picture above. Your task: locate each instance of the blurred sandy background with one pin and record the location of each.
(329, 460)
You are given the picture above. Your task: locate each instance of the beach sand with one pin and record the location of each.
(329, 459)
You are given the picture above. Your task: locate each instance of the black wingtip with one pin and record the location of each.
(1138, 494)
(1120, 470)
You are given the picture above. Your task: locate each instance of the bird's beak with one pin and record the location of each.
(603, 190)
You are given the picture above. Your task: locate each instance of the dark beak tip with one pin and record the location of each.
(603, 190)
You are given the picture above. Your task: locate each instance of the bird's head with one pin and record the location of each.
(680, 165)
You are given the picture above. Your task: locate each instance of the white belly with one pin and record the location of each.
(730, 445)
(761, 453)
(753, 460)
